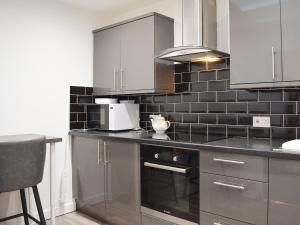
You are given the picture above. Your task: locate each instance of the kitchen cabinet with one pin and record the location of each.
(88, 176)
(255, 43)
(123, 182)
(106, 180)
(264, 43)
(124, 56)
(290, 17)
(284, 197)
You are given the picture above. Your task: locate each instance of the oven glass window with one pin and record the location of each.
(171, 187)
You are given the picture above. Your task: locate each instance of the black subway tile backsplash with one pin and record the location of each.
(217, 85)
(247, 96)
(207, 75)
(175, 98)
(190, 77)
(259, 107)
(204, 108)
(183, 107)
(237, 107)
(190, 97)
(223, 74)
(284, 133)
(207, 97)
(199, 107)
(226, 96)
(237, 131)
(271, 95)
(216, 107)
(208, 118)
(283, 108)
(198, 86)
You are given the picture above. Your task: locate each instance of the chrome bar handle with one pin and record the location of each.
(229, 161)
(163, 167)
(100, 158)
(273, 63)
(115, 79)
(106, 160)
(216, 223)
(238, 187)
(122, 79)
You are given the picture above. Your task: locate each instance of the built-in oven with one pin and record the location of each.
(170, 183)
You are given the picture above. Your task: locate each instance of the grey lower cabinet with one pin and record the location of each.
(233, 189)
(106, 180)
(284, 196)
(124, 56)
(264, 43)
(88, 176)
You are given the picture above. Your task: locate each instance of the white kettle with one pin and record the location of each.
(159, 123)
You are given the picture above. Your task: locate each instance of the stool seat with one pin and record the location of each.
(22, 160)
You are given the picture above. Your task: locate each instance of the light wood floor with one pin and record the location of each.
(74, 218)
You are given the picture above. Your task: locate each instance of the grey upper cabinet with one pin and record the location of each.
(107, 49)
(124, 56)
(123, 182)
(88, 176)
(290, 16)
(137, 54)
(255, 43)
(284, 197)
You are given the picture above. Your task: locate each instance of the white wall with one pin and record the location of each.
(171, 8)
(45, 47)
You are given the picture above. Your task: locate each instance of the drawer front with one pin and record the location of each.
(235, 198)
(210, 219)
(235, 165)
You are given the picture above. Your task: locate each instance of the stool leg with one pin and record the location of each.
(39, 205)
(24, 206)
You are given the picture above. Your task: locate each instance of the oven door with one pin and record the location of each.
(98, 117)
(171, 189)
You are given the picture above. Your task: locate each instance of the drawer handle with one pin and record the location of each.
(239, 187)
(229, 161)
(215, 223)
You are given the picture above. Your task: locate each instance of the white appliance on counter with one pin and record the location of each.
(291, 146)
(113, 117)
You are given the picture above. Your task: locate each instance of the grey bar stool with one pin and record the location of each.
(22, 160)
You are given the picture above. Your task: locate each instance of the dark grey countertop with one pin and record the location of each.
(259, 147)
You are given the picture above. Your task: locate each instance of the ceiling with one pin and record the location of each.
(108, 5)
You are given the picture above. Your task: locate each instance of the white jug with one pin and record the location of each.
(159, 123)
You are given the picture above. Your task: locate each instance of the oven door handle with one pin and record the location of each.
(163, 167)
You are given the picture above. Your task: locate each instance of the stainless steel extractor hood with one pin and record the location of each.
(199, 34)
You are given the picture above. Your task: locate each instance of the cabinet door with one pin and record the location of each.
(255, 43)
(290, 13)
(88, 176)
(137, 55)
(284, 202)
(107, 50)
(123, 183)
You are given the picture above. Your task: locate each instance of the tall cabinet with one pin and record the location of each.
(264, 43)
(124, 56)
(106, 180)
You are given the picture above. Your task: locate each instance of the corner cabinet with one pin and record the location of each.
(264, 43)
(106, 180)
(284, 202)
(124, 56)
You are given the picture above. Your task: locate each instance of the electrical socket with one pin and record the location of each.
(261, 121)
